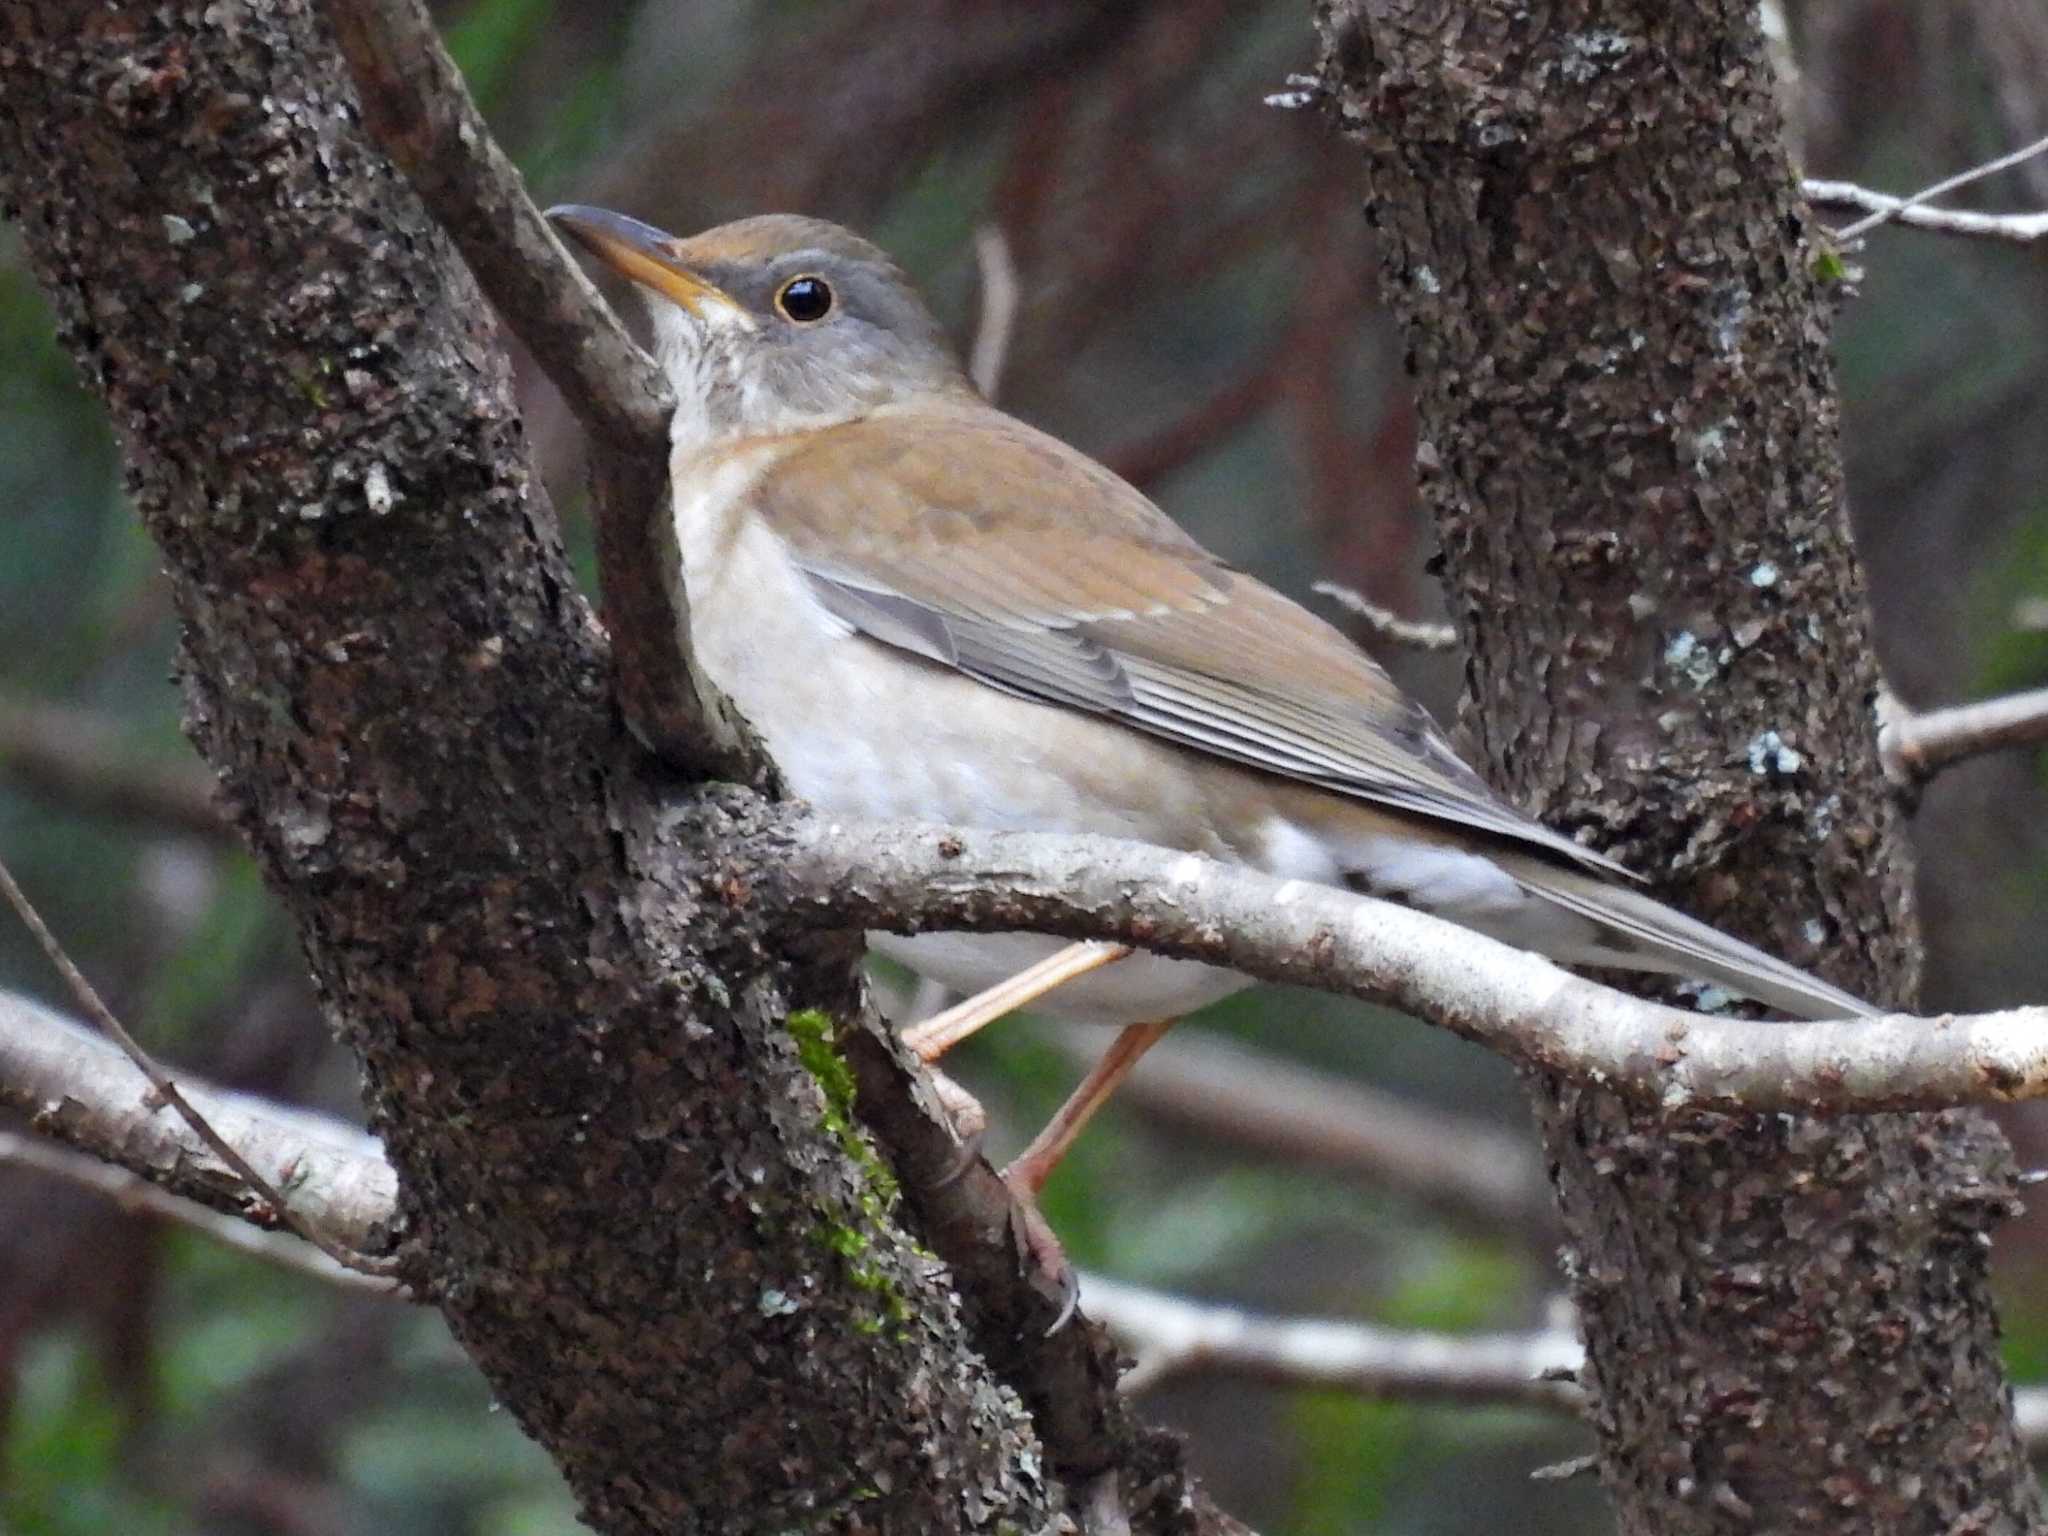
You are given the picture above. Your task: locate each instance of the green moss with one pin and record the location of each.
(817, 1048)
(1827, 264)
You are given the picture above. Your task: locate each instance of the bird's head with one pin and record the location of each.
(774, 324)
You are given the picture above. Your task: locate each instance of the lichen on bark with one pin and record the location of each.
(1618, 320)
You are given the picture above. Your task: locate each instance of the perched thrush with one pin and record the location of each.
(932, 611)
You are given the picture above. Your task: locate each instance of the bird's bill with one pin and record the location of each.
(638, 251)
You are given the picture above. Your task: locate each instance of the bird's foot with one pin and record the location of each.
(1041, 1249)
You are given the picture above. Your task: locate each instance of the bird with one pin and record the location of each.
(930, 610)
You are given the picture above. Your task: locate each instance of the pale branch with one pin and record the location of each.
(1414, 634)
(1171, 1336)
(78, 1088)
(1906, 205)
(74, 756)
(82, 1090)
(2018, 228)
(419, 111)
(1914, 747)
(910, 878)
(136, 1195)
(165, 1091)
(1461, 1169)
(1000, 294)
(340, 1171)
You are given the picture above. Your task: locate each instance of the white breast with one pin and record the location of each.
(872, 733)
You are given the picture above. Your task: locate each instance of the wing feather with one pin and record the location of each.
(968, 538)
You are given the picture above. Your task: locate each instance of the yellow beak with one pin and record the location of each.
(639, 251)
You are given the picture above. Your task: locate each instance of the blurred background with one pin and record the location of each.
(1194, 305)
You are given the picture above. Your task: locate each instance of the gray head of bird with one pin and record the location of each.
(776, 323)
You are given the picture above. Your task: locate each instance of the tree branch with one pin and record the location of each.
(1904, 206)
(164, 1091)
(78, 1088)
(418, 109)
(1914, 747)
(2018, 228)
(134, 1194)
(909, 878)
(1172, 1336)
(1416, 634)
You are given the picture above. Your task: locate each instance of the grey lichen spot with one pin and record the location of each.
(1730, 317)
(377, 490)
(1588, 54)
(1814, 931)
(774, 1303)
(304, 826)
(1427, 281)
(190, 291)
(178, 230)
(1769, 756)
(1765, 576)
(1641, 606)
(1820, 822)
(1691, 660)
(1708, 447)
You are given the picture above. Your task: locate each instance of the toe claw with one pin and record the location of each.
(964, 1158)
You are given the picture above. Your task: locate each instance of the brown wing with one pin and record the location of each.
(969, 538)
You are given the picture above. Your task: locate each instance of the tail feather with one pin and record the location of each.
(1640, 934)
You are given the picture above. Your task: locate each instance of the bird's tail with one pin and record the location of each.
(1635, 933)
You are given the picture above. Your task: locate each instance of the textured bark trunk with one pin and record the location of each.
(1617, 316)
(642, 1206)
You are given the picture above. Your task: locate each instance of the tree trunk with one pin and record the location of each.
(1617, 311)
(641, 1204)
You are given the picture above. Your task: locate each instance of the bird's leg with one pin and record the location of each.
(942, 1031)
(1034, 1165)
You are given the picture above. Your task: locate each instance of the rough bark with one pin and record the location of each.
(641, 1203)
(1618, 323)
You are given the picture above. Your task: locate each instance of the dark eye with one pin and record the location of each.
(805, 299)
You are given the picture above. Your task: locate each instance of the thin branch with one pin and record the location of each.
(1171, 1336)
(1000, 293)
(166, 1091)
(1517, 1004)
(1913, 748)
(85, 1093)
(418, 109)
(74, 756)
(2018, 228)
(1415, 634)
(1940, 189)
(78, 1088)
(1459, 1168)
(135, 1194)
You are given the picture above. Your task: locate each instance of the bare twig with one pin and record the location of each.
(85, 1092)
(77, 1087)
(1461, 1169)
(73, 756)
(1913, 748)
(909, 878)
(418, 109)
(2018, 228)
(1000, 293)
(1171, 1336)
(134, 1193)
(166, 1092)
(1415, 634)
(1941, 188)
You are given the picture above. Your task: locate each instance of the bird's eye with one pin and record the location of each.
(805, 299)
